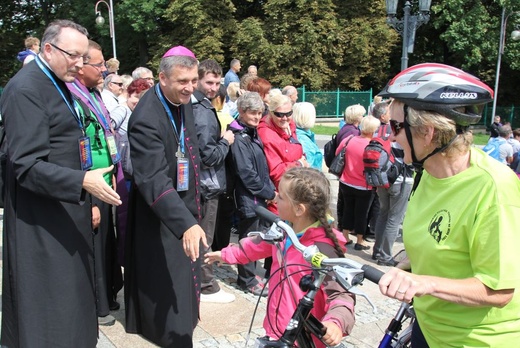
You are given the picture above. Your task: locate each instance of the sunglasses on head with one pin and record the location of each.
(282, 114)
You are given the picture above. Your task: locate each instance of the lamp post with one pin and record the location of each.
(515, 35)
(100, 21)
(407, 26)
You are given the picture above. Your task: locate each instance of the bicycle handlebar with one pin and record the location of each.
(312, 253)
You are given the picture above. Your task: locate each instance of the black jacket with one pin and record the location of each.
(252, 185)
(213, 148)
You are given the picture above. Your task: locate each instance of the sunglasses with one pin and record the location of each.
(396, 126)
(97, 65)
(120, 84)
(282, 114)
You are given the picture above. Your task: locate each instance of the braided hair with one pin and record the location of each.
(311, 188)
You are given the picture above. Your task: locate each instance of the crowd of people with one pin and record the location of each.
(106, 171)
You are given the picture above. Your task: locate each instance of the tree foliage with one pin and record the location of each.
(324, 44)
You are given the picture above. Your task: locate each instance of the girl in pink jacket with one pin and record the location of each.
(303, 200)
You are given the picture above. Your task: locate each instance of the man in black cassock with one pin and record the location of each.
(48, 297)
(162, 269)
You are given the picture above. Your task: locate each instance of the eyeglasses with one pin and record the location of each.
(120, 84)
(396, 126)
(283, 114)
(74, 57)
(98, 65)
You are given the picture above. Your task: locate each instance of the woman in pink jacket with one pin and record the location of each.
(303, 200)
(357, 195)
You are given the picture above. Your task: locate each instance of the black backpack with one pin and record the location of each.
(329, 150)
(380, 167)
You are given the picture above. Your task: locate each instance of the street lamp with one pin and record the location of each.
(407, 26)
(515, 35)
(100, 21)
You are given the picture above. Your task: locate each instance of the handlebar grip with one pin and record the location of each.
(372, 273)
(266, 214)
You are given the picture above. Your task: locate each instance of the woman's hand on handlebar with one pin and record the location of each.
(402, 285)
(214, 256)
(333, 335)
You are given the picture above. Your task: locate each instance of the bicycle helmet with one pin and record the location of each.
(443, 89)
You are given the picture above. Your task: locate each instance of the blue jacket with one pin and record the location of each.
(311, 150)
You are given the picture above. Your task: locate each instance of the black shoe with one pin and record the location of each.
(376, 256)
(369, 239)
(114, 306)
(361, 247)
(390, 263)
(257, 290)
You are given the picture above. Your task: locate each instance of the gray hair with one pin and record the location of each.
(379, 110)
(107, 80)
(53, 30)
(289, 90)
(138, 72)
(250, 101)
(504, 131)
(168, 63)
(234, 62)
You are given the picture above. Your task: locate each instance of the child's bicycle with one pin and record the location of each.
(347, 273)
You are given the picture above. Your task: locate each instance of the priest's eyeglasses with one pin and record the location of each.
(74, 57)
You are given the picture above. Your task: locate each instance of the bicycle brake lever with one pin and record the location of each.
(356, 291)
(348, 277)
(274, 234)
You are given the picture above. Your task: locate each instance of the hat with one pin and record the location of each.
(179, 51)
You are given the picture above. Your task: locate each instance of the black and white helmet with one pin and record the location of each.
(441, 88)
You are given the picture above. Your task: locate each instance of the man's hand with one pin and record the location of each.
(96, 217)
(191, 241)
(95, 184)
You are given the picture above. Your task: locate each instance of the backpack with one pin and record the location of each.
(338, 163)
(380, 167)
(329, 150)
(492, 148)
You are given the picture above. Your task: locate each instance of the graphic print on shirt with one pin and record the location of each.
(440, 226)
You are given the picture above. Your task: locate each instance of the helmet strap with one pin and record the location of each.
(418, 164)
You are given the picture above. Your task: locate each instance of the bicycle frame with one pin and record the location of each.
(393, 337)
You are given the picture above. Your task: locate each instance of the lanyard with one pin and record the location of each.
(97, 108)
(74, 110)
(178, 134)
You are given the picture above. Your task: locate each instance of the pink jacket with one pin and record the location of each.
(331, 303)
(353, 173)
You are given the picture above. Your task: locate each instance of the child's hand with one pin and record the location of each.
(214, 256)
(333, 335)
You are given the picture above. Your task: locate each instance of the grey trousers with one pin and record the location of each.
(209, 209)
(393, 202)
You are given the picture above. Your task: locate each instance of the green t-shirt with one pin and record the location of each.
(100, 153)
(467, 226)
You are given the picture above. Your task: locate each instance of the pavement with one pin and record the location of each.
(238, 323)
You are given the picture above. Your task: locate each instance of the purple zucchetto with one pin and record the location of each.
(179, 51)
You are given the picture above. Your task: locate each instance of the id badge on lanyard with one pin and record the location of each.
(112, 148)
(85, 153)
(183, 174)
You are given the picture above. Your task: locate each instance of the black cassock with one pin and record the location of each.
(48, 297)
(161, 283)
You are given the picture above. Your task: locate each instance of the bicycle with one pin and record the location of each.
(348, 273)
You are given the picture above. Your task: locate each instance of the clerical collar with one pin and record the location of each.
(169, 101)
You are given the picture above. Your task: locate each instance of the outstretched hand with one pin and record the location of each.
(95, 184)
(214, 256)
